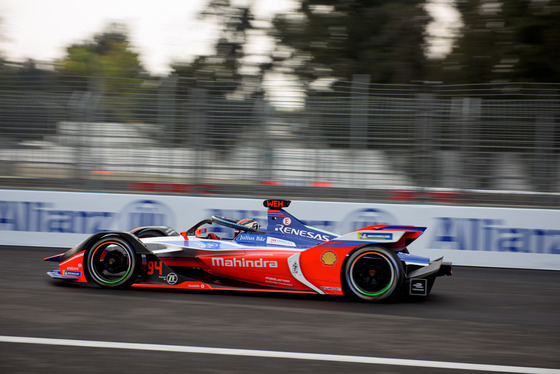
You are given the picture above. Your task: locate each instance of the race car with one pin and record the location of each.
(372, 263)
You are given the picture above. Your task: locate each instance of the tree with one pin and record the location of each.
(337, 39)
(108, 55)
(221, 79)
(99, 66)
(505, 41)
(535, 31)
(225, 64)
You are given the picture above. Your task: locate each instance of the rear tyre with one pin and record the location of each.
(372, 273)
(112, 262)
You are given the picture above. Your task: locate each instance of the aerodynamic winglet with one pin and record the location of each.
(55, 258)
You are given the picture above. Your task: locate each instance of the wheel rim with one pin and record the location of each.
(111, 262)
(372, 274)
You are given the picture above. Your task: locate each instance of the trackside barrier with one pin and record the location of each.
(474, 236)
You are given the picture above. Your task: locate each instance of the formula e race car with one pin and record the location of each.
(371, 263)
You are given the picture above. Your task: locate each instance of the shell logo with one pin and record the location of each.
(329, 258)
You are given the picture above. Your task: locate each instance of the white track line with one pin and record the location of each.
(280, 354)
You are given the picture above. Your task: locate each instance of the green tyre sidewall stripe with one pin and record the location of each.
(92, 258)
(389, 257)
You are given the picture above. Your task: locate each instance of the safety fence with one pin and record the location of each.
(489, 144)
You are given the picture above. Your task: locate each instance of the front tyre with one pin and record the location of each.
(373, 273)
(112, 262)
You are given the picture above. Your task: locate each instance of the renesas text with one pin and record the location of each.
(477, 234)
(41, 217)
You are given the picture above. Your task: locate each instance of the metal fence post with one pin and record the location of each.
(468, 134)
(358, 119)
(423, 159)
(359, 111)
(545, 162)
(84, 132)
(262, 116)
(166, 107)
(197, 98)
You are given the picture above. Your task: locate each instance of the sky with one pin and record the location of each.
(162, 32)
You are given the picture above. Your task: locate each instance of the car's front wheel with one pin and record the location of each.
(112, 262)
(372, 273)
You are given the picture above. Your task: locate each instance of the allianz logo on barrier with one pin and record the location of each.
(37, 216)
(146, 213)
(477, 234)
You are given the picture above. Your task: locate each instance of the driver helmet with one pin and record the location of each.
(250, 223)
(247, 222)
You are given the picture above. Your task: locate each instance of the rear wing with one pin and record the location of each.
(396, 237)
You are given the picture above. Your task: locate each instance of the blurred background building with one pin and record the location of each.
(350, 102)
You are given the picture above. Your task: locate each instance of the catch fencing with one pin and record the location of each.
(484, 144)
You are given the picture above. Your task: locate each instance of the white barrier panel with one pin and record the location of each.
(499, 237)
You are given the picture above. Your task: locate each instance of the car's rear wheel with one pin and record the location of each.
(373, 273)
(112, 262)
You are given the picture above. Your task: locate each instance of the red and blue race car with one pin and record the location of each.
(371, 263)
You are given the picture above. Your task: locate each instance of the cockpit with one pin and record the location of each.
(202, 229)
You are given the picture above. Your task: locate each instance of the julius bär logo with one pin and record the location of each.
(329, 258)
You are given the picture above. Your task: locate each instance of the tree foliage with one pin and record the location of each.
(222, 81)
(225, 64)
(337, 39)
(109, 55)
(102, 63)
(505, 41)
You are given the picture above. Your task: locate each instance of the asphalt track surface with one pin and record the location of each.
(506, 319)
